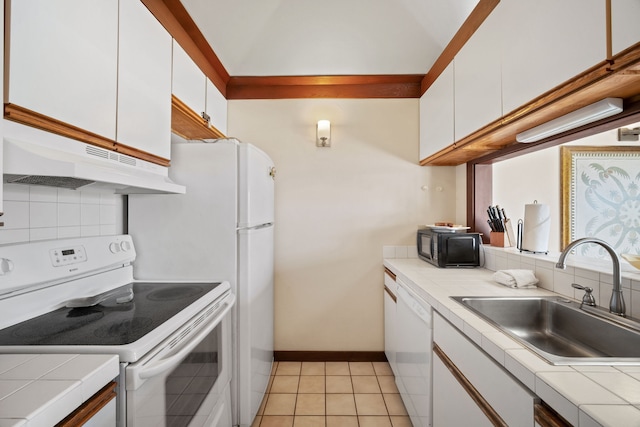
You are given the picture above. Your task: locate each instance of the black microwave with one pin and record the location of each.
(449, 249)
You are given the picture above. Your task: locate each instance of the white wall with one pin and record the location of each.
(336, 208)
(536, 176)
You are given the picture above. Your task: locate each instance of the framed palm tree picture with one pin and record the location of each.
(601, 197)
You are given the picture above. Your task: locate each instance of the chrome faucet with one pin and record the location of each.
(616, 304)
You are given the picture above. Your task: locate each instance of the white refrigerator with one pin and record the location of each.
(221, 229)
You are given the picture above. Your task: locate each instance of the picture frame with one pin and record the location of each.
(600, 197)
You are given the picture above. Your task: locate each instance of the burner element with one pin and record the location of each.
(124, 329)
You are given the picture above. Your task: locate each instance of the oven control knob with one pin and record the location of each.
(6, 266)
(125, 246)
(114, 247)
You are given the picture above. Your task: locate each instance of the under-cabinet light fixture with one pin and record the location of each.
(585, 115)
(323, 133)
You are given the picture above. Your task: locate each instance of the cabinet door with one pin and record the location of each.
(389, 330)
(189, 82)
(452, 405)
(477, 78)
(144, 81)
(547, 42)
(625, 31)
(216, 108)
(436, 115)
(63, 61)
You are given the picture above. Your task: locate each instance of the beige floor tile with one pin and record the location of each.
(269, 384)
(309, 421)
(310, 404)
(365, 384)
(288, 368)
(285, 384)
(394, 403)
(312, 368)
(399, 421)
(382, 368)
(337, 368)
(311, 384)
(361, 368)
(370, 404)
(339, 384)
(388, 384)
(374, 421)
(280, 404)
(342, 421)
(274, 367)
(340, 404)
(256, 421)
(277, 421)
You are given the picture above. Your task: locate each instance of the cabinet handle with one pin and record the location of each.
(388, 291)
(493, 417)
(390, 273)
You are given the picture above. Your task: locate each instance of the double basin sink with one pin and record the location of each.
(560, 330)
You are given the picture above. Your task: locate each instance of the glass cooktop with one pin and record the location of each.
(110, 322)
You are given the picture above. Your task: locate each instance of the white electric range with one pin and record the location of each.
(172, 338)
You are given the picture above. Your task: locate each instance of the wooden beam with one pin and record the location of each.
(175, 19)
(464, 33)
(363, 86)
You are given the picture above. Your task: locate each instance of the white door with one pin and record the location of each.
(255, 309)
(256, 183)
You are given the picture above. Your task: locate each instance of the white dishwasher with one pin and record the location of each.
(414, 334)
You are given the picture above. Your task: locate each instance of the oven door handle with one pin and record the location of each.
(175, 359)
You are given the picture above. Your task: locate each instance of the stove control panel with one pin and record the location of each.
(65, 256)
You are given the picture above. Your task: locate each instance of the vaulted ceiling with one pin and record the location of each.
(328, 37)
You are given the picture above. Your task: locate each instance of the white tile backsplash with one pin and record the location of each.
(37, 213)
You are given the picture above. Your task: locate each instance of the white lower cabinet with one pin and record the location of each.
(413, 354)
(389, 295)
(470, 388)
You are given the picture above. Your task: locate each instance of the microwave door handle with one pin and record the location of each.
(154, 369)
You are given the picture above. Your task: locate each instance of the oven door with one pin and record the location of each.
(185, 381)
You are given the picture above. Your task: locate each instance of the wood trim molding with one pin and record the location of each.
(391, 295)
(482, 403)
(464, 33)
(31, 118)
(89, 408)
(290, 87)
(176, 20)
(188, 124)
(390, 273)
(547, 417)
(329, 356)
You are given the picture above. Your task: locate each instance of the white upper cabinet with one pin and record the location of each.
(436, 115)
(63, 61)
(477, 78)
(625, 29)
(547, 42)
(216, 107)
(189, 82)
(144, 81)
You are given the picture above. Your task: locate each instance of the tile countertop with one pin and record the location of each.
(586, 396)
(42, 389)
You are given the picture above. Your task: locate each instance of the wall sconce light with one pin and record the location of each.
(585, 115)
(323, 133)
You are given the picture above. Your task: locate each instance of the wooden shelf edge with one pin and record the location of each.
(91, 407)
(188, 124)
(31, 118)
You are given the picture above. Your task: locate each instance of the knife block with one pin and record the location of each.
(498, 239)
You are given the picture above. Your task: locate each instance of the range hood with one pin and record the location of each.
(74, 165)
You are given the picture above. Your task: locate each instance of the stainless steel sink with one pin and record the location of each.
(560, 331)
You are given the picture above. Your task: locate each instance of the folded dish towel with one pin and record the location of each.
(516, 278)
